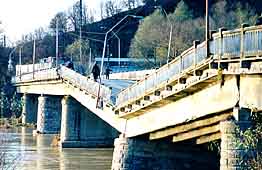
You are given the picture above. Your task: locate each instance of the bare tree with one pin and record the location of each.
(61, 18)
(130, 4)
(74, 16)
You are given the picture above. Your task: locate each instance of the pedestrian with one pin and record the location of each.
(108, 72)
(95, 71)
(259, 20)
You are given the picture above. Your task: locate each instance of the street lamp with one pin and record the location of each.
(105, 40)
(104, 50)
(170, 32)
(207, 29)
(119, 47)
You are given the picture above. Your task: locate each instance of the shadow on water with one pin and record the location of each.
(26, 152)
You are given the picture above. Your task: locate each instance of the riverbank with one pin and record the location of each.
(7, 123)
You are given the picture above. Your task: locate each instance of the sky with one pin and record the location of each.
(20, 17)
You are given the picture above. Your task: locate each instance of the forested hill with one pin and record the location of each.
(127, 30)
(199, 5)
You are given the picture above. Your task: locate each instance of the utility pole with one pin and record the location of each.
(34, 59)
(56, 44)
(207, 29)
(20, 62)
(4, 41)
(80, 33)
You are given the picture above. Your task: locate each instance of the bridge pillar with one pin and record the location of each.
(82, 128)
(69, 127)
(49, 114)
(29, 110)
(232, 156)
(143, 154)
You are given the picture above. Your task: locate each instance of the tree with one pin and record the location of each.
(61, 18)
(148, 38)
(182, 12)
(73, 50)
(110, 8)
(231, 17)
(131, 4)
(152, 37)
(75, 18)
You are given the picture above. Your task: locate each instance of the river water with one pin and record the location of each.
(22, 151)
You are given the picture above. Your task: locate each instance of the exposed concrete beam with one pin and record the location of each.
(196, 133)
(208, 138)
(189, 126)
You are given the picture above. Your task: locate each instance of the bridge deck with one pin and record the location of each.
(190, 87)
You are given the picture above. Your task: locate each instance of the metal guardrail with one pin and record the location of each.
(29, 68)
(84, 83)
(239, 43)
(63, 72)
(47, 74)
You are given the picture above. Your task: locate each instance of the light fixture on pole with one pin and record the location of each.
(119, 47)
(105, 40)
(56, 44)
(34, 59)
(170, 32)
(80, 33)
(207, 29)
(104, 50)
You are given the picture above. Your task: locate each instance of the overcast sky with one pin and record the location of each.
(19, 17)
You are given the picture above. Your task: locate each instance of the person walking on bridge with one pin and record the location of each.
(95, 71)
(107, 72)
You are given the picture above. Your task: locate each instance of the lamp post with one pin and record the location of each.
(105, 40)
(10, 66)
(119, 47)
(104, 50)
(207, 29)
(170, 33)
(80, 33)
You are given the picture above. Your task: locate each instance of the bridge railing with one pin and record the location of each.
(84, 83)
(29, 68)
(239, 43)
(182, 63)
(48, 74)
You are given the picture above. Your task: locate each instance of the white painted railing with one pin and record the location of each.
(239, 43)
(84, 83)
(29, 68)
(48, 74)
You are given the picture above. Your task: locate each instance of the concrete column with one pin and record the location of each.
(232, 156)
(140, 153)
(70, 122)
(29, 110)
(95, 132)
(82, 128)
(49, 114)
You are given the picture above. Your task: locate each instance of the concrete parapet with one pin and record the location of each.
(49, 114)
(142, 154)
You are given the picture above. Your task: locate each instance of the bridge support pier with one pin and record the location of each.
(82, 128)
(140, 153)
(29, 110)
(69, 128)
(49, 114)
(232, 157)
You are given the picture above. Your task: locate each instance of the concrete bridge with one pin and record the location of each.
(164, 120)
